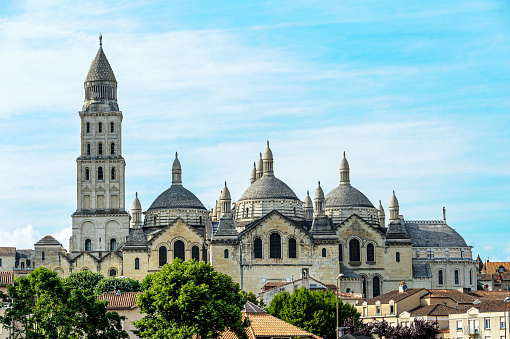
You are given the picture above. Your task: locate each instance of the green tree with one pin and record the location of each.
(251, 297)
(122, 284)
(40, 306)
(85, 280)
(312, 311)
(187, 299)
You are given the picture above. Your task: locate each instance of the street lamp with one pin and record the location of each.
(507, 300)
(340, 276)
(375, 333)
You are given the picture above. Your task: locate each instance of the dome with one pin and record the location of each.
(176, 197)
(100, 69)
(268, 155)
(393, 200)
(308, 200)
(319, 193)
(347, 196)
(344, 165)
(136, 203)
(268, 187)
(225, 193)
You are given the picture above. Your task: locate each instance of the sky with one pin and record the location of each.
(417, 94)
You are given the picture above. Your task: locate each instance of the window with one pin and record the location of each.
(88, 149)
(113, 174)
(200, 220)
(354, 254)
(370, 253)
(112, 127)
(225, 254)
(340, 253)
(179, 250)
(112, 148)
(364, 286)
(459, 325)
(87, 174)
(487, 323)
(100, 173)
(0, 262)
(364, 311)
(137, 263)
(113, 245)
(292, 248)
(502, 322)
(100, 127)
(397, 257)
(324, 253)
(440, 280)
(42, 256)
(162, 256)
(275, 246)
(88, 245)
(113, 272)
(88, 127)
(456, 276)
(376, 287)
(378, 310)
(348, 290)
(257, 248)
(100, 148)
(392, 309)
(470, 277)
(195, 253)
(501, 269)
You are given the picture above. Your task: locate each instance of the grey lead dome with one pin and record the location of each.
(268, 187)
(347, 196)
(176, 197)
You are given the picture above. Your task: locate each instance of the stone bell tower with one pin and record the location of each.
(100, 223)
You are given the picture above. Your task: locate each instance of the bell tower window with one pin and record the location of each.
(100, 127)
(87, 127)
(100, 173)
(113, 174)
(88, 149)
(112, 127)
(87, 174)
(88, 245)
(112, 148)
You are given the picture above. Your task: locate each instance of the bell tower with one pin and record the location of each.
(100, 223)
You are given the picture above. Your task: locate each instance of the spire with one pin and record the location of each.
(344, 171)
(253, 176)
(136, 213)
(225, 202)
(444, 214)
(214, 215)
(394, 209)
(308, 207)
(100, 40)
(268, 161)
(100, 69)
(259, 167)
(380, 215)
(319, 200)
(176, 172)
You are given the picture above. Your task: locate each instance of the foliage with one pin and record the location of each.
(86, 280)
(42, 307)
(122, 284)
(187, 299)
(314, 311)
(418, 329)
(251, 297)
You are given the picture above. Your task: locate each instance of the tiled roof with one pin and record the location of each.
(492, 267)
(493, 306)
(348, 273)
(431, 233)
(177, 197)
(348, 296)
(422, 270)
(6, 278)
(455, 295)
(100, 68)
(250, 307)
(394, 295)
(490, 295)
(48, 240)
(433, 310)
(272, 284)
(7, 250)
(124, 300)
(346, 195)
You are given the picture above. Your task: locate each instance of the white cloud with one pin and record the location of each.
(488, 248)
(21, 238)
(63, 236)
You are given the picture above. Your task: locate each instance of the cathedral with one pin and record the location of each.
(267, 235)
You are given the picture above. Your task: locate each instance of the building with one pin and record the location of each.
(495, 276)
(268, 235)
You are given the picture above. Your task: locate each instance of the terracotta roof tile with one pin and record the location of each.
(493, 267)
(394, 295)
(7, 250)
(124, 300)
(6, 278)
(455, 295)
(493, 306)
(490, 295)
(272, 284)
(433, 310)
(344, 295)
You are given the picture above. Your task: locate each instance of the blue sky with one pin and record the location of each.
(416, 93)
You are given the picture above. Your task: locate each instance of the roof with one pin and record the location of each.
(7, 250)
(350, 296)
(347, 196)
(100, 68)
(433, 310)
(394, 295)
(124, 300)
(272, 284)
(250, 307)
(48, 240)
(433, 233)
(268, 187)
(6, 278)
(492, 306)
(263, 324)
(422, 270)
(492, 295)
(348, 273)
(457, 296)
(177, 197)
(492, 267)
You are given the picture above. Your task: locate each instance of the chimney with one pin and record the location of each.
(402, 287)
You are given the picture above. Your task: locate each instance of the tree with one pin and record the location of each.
(418, 329)
(251, 297)
(187, 299)
(122, 284)
(312, 311)
(40, 306)
(86, 280)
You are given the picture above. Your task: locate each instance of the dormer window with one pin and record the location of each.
(501, 269)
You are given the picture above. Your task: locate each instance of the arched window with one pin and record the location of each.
(200, 220)
(100, 148)
(195, 253)
(456, 277)
(324, 253)
(225, 254)
(113, 245)
(247, 212)
(348, 290)
(292, 248)
(88, 127)
(42, 256)
(354, 254)
(257, 248)
(112, 127)
(112, 176)
(162, 256)
(440, 279)
(113, 272)
(87, 174)
(88, 245)
(397, 257)
(137, 264)
(100, 127)
(340, 253)
(470, 277)
(179, 250)
(370, 253)
(100, 173)
(112, 148)
(88, 149)
(275, 246)
(376, 287)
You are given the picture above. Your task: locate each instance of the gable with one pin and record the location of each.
(177, 229)
(358, 227)
(272, 222)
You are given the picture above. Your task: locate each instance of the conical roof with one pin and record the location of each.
(136, 203)
(308, 200)
(268, 155)
(319, 193)
(48, 240)
(225, 193)
(176, 164)
(393, 200)
(100, 69)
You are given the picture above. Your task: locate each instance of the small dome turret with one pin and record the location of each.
(319, 193)
(253, 176)
(308, 200)
(176, 172)
(380, 214)
(259, 167)
(344, 171)
(319, 200)
(225, 202)
(136, 213)
(225, 193)
(268, 162)
(308, 208)
(394, 208)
